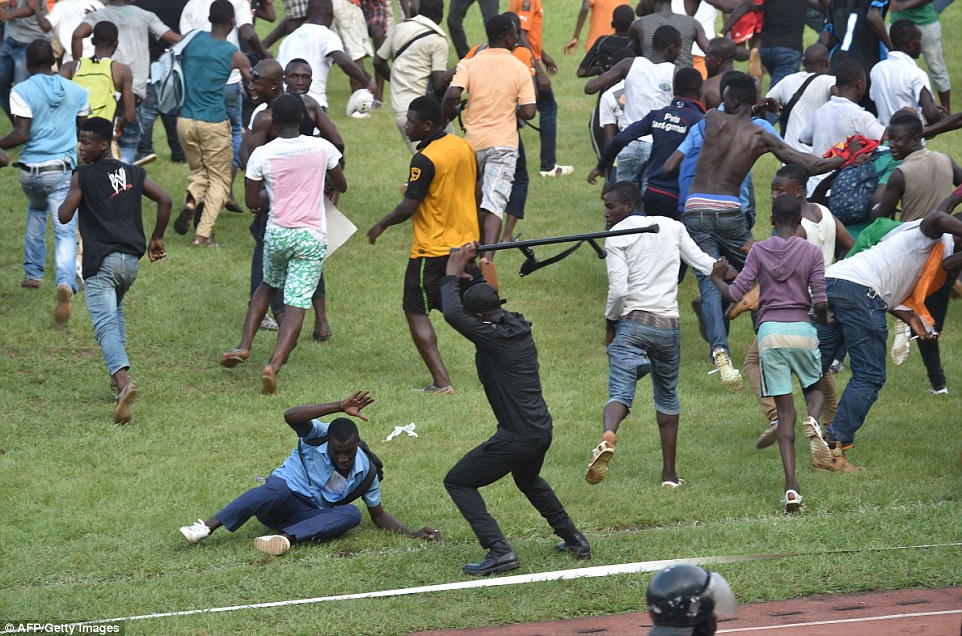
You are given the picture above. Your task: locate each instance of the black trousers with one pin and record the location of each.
(487, 463)
(938, 306)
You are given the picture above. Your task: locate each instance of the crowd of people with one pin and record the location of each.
(677, 132)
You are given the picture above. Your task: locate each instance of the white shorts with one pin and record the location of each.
(350, 26)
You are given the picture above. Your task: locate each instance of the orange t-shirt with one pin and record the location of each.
(520, 52)
(600, 19)
(496, 83)
(531, 14)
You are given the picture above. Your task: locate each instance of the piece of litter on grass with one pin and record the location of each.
(713, 371)
(409, 429)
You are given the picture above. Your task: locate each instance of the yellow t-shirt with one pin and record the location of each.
(442, 177)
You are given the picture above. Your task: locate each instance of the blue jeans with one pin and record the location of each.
(632, 161)
(780, 61)
(13, 70)
(637, 350)
(45, 191)
(548, 123)
(859, 324)
(104, 292)
(278, 508)
(234, 103)
(129, 139)
(147, 114)
(717, 235)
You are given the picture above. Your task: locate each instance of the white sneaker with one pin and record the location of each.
(901, 345)
(729, 374)
(558, 171)
(943, 391)
(276, 544)
(196, 532)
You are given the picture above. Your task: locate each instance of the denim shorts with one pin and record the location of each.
(638, 350)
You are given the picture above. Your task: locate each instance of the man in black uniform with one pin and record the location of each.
(108, 196)
(507, 362)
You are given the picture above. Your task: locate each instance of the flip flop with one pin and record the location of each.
(231, 359)
(671, 485)
(320, 335)
(601, 456)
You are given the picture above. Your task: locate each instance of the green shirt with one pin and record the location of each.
(919, 15)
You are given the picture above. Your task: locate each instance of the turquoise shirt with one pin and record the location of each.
(317, 462)
(207, 65)
(54, 104)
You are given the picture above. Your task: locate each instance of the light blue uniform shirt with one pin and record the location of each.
(317, 462)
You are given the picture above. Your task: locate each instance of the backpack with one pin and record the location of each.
(167, 76)
(851, 191)
(362, 487)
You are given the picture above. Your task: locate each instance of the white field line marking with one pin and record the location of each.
(838, 621)
(557, 575)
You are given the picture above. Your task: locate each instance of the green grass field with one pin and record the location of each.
(91, 509)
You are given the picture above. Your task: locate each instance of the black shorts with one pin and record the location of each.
(422, 284)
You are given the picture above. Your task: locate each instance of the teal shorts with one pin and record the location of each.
(293, 258)
(785, 348)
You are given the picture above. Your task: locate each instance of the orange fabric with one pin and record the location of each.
(698, 63)
(496, 82)
(531, 14)
(599, 22)
(933, 277)
(520, 52)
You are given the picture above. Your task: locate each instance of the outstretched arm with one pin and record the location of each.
(809, 162)
(582, 16)
(386, 521)
(613, 75)
(351, 69)
(299, 417)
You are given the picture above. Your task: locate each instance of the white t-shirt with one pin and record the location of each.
(836, 121)
(294, 171)
(195, 16)
(893, 266)
(66, 16)
(411, 72)
(817, 93)
(314, 43)
(611, 109)
(643, 268)
(648, 87)
(897, 82)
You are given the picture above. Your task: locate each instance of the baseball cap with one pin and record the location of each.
(481, 298)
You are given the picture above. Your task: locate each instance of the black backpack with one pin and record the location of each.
(362, 487)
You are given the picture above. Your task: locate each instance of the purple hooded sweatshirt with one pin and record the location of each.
(786, 271)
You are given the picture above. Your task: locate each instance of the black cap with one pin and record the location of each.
(481, 298)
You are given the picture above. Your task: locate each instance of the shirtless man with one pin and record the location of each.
(713, 213)
(719, 59)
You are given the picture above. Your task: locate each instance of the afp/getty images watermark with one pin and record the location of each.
(31, 627)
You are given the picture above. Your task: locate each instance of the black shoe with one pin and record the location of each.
(577, 546)
(182, 223)
(493, 563)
